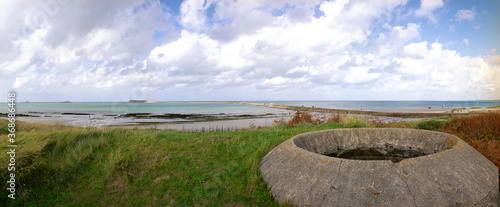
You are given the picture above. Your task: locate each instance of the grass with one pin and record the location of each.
(430, 125)
(458, 110)
(83, 166)
(493, 107)
(60, 165)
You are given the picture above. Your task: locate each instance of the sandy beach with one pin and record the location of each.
(207, 124)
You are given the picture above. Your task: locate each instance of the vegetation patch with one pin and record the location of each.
(430, 125)
(61, 165)
(481, 131)
(458, 110)
(493, 107)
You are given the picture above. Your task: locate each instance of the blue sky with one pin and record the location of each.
(220, 50)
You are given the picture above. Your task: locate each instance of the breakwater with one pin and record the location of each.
(364, 112)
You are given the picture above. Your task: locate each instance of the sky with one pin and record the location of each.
(250, 50)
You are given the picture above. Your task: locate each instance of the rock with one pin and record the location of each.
(431, 169)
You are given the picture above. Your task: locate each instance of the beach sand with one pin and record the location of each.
(167, 124)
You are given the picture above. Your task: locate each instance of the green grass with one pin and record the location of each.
(444, 117)
(82, 166)
(70, 166)
(430, 124)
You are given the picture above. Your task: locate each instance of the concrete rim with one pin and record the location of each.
(324, 146)
(296, 172)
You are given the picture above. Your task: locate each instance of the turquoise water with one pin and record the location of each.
(155, 108)
(227, 108)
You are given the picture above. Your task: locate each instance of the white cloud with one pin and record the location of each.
(20, 81)
(359, 75)
(427, 8)
(397, 37)
(468, 15)
(415, 50)
(75, 40)
(492, 78)
(444, 70)
(267, 47)
(269, 52)
(193, 14)
(465, 41)
(281, 83)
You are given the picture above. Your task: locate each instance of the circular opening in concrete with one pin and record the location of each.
(373, 145)
(392, 153)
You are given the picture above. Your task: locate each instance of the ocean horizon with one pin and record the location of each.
(209, 107)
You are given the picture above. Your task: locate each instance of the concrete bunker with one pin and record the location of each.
(379, 167)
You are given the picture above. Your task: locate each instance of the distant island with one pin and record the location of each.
(141, 101)
(137, 101)
(49, 102)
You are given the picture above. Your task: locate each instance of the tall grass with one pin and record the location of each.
(86, 167)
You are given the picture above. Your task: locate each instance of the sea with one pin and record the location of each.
(114, 108)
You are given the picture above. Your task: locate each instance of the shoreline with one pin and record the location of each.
(225, 121)
(386, 112)
(181, 122)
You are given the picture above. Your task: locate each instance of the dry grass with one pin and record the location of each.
(349, 121)
(303, 117)
(480, 131)
(493, 107)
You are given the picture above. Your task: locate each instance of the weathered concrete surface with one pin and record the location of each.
(451, 174)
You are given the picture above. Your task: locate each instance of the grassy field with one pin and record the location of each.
(60, 165)
(76, 166)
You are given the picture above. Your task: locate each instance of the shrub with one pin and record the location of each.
(481, 131)
(430, 125)
(457, 110)
(481, 127)
(303, 117)
(354, 122)
(335, 118)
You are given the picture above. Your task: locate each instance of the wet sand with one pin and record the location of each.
(206, 123)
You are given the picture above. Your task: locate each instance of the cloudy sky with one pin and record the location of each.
(217, 50)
